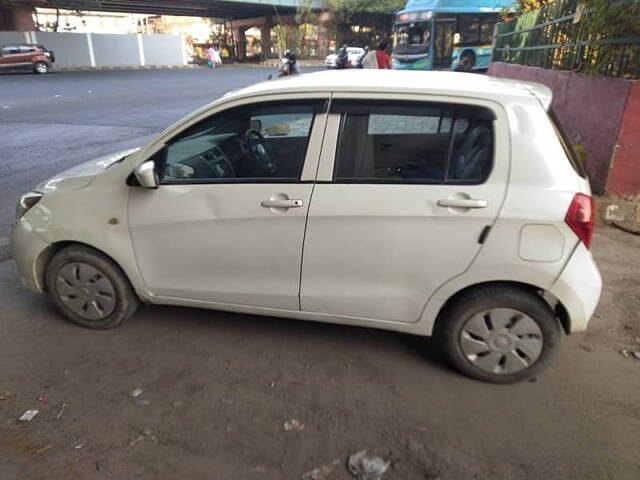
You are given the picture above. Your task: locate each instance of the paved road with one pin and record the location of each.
(220, 385)
(52, 122)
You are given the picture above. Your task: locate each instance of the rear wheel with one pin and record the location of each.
(41, 68)
(499, 334)
(89, 288)
(467, 62)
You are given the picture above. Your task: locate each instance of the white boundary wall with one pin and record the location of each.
(81, 50)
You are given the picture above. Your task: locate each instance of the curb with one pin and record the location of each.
(122, 67)
(5, 251)
(276, 64)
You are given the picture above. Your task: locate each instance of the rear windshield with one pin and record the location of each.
(567, 145)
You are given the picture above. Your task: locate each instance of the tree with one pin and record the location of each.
(614, 19)
(527, 5)
(345, 11)
(305, 19)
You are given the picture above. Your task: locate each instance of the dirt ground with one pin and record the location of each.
(217, 387)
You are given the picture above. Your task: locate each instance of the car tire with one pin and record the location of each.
(499, 334)
(467, 62)
(89, 288)
(41, 68)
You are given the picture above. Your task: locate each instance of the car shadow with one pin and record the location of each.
(349, 338)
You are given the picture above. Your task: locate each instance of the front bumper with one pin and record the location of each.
(579, 287)
(28, 250)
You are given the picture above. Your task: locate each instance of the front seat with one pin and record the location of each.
(471, 160)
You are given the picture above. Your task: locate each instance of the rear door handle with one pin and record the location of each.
(462, 203)
(289, 203)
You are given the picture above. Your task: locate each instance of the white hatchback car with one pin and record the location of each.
(428, 203)
(353, 54)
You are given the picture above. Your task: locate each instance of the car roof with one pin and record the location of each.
(400, 81)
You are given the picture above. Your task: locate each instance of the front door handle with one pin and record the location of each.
(462, 203)
(288, 203)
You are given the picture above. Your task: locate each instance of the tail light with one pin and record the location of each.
(580, 217)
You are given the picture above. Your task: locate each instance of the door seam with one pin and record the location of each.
(313, 188)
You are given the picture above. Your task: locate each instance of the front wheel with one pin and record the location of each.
(499, 334)
(41, 68)
(89, 288)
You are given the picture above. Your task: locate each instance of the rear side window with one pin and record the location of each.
(405, 142)
(572, 156)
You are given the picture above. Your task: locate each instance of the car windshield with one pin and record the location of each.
(412, 38)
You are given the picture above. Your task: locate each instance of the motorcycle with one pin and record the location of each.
(288, 65)
(342, 59)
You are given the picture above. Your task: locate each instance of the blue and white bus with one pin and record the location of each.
(446, 34)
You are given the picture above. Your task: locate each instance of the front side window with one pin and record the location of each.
(402, 142)
(259, 143)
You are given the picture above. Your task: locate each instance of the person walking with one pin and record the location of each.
(382, 58)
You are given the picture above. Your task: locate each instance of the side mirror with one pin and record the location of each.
(146, 174)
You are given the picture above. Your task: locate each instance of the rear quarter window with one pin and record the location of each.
(570, 152)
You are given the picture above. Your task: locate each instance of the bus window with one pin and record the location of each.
(486, 31)
(469, 29)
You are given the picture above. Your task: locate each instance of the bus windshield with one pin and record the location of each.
(412, 38)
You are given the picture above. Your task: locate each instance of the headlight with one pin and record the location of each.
(26, 202)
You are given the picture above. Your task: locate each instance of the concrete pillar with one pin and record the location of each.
(323, 40)
(17, 18)
(265, 39)
(241, 42)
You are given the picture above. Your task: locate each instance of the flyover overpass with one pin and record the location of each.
(16, 15)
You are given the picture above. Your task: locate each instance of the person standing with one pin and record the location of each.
(211, 52)
(217, 59)
(383, 59)
(370, 60)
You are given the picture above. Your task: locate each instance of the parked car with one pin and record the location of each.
(428, 203)
(354, 54)
(26, 57)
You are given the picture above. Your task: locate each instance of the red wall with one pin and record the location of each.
(589, 107)
(624, 177)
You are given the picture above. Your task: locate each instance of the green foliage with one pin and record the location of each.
(582, 152)
(527, 5)
(366, 6)
(599, 37)
(346, 10)
(614, 19)
(305, 13)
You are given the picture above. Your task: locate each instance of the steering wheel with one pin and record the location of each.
(260, 150)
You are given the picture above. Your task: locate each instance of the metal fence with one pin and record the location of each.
(560, 35)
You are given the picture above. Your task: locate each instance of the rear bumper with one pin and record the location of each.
(578, 288)
(27, 249)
